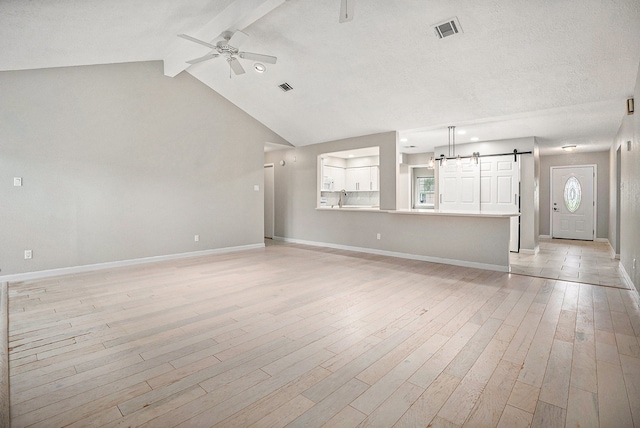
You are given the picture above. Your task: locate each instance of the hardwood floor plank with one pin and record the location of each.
(555, 386)
(433, 367)
(397, 376)
(515, 418)
(613, 403)
(346, 418)
(493, 399)
(338, 378)
(524, 397)
(283, 415)
(278, 398)
(631, 375)
(582, 409)
(548, 416)
(157, 410)
(426, 406)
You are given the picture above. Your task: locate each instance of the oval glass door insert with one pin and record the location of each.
(572, 194)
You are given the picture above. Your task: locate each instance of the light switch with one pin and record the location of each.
(17, 181)
(256, 187)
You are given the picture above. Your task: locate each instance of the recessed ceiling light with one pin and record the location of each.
(260, 68)
(475, 139)
(350, 156)
(403, 140)
(462, 132)
(569, 148)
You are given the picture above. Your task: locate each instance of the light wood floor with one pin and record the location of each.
(588, 262)
(300, 336)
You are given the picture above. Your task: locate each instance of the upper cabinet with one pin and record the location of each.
(362, 178)
(334, 178)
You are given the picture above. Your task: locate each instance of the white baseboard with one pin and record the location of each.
(544, 236)
(453, 262)
(530, 251)
(4, 356)
(109, 265)
(627, 278)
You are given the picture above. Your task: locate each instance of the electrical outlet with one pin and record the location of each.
(378, 236)
(256, 187)
(196, 238)
(28, 254)
(17, 181)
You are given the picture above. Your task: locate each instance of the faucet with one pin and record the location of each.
(342, 193)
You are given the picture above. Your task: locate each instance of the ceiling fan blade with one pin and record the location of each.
(258, 57)
(238, 39)
(346, 10)
(203, 58)
(236, 66)
(200, 42)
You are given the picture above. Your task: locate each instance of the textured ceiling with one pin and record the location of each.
(557, 70)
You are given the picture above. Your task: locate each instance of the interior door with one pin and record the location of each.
(500, 191)
(572, 202)
(459, 186)
(269, 205)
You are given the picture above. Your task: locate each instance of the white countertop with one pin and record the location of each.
(426, 212)
(351, 208)
(454, 213)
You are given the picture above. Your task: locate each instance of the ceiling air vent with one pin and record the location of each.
(447, 28)
(285, 87)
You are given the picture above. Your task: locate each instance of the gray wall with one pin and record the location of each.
(120, 162)
(601, 159)
(630, 192)
(431, 236)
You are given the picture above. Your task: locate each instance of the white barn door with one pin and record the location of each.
(459, 186)
(500, 190)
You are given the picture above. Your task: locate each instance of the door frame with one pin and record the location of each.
(595, 196)
(273, 202)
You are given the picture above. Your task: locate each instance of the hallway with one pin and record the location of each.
(588, 262)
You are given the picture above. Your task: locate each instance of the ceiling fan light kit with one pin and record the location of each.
(229, 48)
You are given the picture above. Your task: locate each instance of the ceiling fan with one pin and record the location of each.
(229, 48)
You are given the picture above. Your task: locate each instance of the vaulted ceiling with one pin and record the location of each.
(557, 70)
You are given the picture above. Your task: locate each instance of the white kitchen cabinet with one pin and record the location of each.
(335, 177)
(375, 178)
(362, 178)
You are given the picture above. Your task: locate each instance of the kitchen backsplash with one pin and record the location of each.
(363, 198)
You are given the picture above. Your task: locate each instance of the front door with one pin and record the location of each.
(572, 202)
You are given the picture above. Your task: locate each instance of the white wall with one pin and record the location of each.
(601, 159)
(120, 162)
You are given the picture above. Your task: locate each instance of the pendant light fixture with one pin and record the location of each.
(452, 141)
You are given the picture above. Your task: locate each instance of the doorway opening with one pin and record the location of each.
(269, 201)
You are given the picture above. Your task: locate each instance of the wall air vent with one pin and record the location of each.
(448, 28)
(285, 87)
